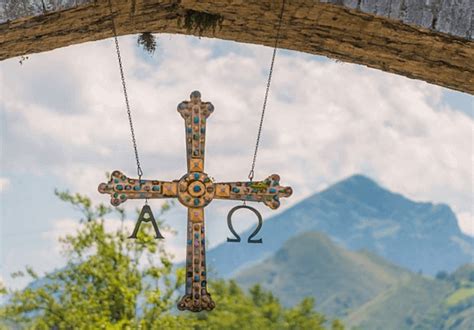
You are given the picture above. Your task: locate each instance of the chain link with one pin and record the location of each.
(125, 94)
(270, 74)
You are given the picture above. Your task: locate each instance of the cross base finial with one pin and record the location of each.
(197, 304)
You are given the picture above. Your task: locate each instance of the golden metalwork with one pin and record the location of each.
(195, 190)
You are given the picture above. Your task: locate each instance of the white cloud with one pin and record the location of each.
(63, 227)
(4, 184)
(466, 222)
(325, 120)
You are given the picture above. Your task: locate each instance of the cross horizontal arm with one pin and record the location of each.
(121, 188)
(267, 191)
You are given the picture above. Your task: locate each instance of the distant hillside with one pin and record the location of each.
(364, 290)
(422, 303)
(312, 265)
(413, 304)
(359, 214)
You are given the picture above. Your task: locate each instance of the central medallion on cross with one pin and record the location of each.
(195, 190)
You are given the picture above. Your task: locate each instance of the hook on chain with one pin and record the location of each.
(251, 175)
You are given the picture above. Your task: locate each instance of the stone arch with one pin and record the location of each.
(428, 42)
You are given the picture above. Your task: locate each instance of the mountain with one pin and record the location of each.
(362, 289)
(359, 214)
(311, 264)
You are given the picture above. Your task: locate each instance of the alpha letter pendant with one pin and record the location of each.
(146, 215)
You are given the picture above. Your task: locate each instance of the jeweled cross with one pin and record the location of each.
(195, 190)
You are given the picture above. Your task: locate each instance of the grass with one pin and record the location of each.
(459, 295)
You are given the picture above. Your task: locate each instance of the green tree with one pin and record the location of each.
(111, 282)
(103, 282)
(257, 309)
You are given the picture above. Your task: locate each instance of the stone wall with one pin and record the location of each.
(453, 17)
(329, 29)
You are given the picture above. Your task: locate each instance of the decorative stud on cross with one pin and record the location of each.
(195, 190)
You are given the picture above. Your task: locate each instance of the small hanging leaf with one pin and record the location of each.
(23, 59)
(147, 41)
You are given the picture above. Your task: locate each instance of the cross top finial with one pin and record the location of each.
(195, 95)
(195, 103)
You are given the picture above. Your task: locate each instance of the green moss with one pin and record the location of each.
(199, 22)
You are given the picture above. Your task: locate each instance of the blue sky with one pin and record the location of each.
(63, 125)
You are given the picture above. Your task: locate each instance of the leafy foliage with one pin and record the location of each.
(257, 309)
(147, 41)
(103, 279)
(112, 282)
(442, 275)
(199, 22)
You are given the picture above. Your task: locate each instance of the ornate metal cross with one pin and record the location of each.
(195, 190)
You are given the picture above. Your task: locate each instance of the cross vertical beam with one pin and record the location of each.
(195, 191)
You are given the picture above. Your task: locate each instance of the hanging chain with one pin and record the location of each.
(270, 74)
(125, 94)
